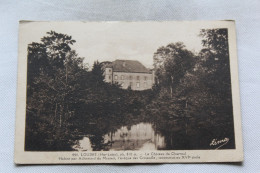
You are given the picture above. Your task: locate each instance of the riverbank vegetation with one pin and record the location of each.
(190, 103)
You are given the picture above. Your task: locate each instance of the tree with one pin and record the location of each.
(201, 86)
(98, 72)
(57, 46)
(54, 73)
(171, 63)
(215, 61)
(207, 86)
(215, 56)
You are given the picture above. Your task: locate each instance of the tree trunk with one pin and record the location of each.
(66, 73)
(171, 91)
(171, 88)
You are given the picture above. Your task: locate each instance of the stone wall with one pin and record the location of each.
(137, 81)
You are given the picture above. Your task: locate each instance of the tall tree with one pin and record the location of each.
(54, 73)
(215, 63)
(215, 56)
(98, 72)
(171, 63)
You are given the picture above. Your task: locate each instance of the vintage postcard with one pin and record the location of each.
(127, 92)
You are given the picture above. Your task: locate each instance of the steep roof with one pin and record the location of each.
(130, 66)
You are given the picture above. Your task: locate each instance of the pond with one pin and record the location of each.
(140, 136)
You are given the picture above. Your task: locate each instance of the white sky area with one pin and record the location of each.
(108, 41)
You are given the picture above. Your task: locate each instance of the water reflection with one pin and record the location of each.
(136, 137)
(83, 145)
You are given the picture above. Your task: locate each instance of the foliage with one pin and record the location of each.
(54, 82)
(202, 91)
(190, 101)
(171, 64)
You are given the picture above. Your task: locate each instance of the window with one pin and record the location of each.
(122, 77)
(137, 84)
(138, 77)
(115, 77)
(145, 78)
(109, 77)
(109, 70)
(145, 84)
(130, 85)
(130, 77)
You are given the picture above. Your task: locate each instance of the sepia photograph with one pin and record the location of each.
(104, 87)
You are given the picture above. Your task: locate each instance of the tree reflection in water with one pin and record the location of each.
(141, 136)
(141, 133)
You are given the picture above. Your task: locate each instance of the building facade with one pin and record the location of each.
(129, 74)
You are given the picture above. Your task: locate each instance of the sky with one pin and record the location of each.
(108, 41)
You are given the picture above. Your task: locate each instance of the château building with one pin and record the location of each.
(129, 74)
